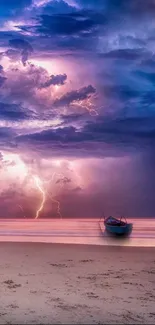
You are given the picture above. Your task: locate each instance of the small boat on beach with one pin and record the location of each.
(117, 226)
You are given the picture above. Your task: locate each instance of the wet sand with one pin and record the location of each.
(79, 231)
(44, 283)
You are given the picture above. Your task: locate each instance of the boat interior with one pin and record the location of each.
(111, 221)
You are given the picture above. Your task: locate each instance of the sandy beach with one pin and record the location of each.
(44, 283)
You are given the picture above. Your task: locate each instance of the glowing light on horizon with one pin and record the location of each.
(48, 187)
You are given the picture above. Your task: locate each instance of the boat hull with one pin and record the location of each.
(119, 230)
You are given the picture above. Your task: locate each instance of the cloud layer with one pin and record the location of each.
(77, 82)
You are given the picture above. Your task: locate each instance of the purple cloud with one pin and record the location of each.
(24, 47)
(75, 95)
(2, 80)
(55, 80)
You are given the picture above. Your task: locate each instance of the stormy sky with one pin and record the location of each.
(77, 108)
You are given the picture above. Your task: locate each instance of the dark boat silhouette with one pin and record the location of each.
(117, 226)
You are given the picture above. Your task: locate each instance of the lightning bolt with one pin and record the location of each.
(58, 205)
(90, 107)
(87, 104)
(54, 200)
(39, 186)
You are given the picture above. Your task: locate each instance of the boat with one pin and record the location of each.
(117, 226)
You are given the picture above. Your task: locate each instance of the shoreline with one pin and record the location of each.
(82, 241)
(81, 245)
(98, 246)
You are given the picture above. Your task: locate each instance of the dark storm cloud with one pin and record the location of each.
(121, 91)
(5, 37)
(7, 139)
(20, 44)
(13, 112)
(133, 6)
(55, 80)
(123, 131)
(13, 7)
(57, 7)
(91, 16)
(24, 47)
(69, 24)
(102, 137)
(11, 54)
(78, 28)
(67, 134)
(69, 27)
(2, 80)
(124, 54)
(116, 40)
(75, 95)
(18, 48)
(6, 132)
(10, 5)
(126, 85)
(150, 76)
